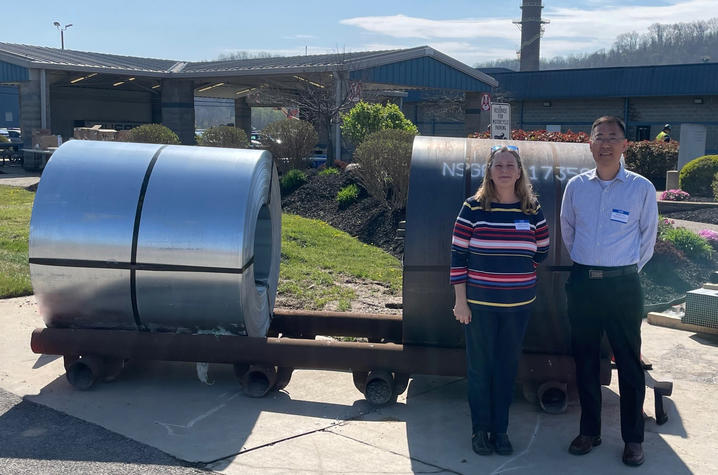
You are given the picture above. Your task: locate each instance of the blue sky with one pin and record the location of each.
(470, 31)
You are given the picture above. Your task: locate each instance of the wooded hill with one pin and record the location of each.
(677, 43)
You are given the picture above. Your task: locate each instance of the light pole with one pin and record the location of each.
(62, 32)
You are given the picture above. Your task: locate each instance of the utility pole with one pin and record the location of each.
(62, 32)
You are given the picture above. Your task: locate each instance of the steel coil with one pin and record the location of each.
(156, 237)
(445, 171)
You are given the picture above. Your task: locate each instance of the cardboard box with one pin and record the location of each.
(37, 133)
(47, 141)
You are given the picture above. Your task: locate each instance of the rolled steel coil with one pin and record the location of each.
(156, 237)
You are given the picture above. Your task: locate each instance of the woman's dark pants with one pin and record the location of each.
(493, 348)
(613, 306)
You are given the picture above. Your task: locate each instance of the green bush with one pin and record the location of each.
(364, 119)
(224, 136)
(383, 160)
(652, 160)
(153, 133)
(292, 180)
(696, 176)
(329, 171)
(690, 243)
(291, 141)
(714, 186)
(348, 195)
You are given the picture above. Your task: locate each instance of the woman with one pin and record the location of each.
(499, 237)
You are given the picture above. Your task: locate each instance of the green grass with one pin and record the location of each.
(15, 209)
(315, 257)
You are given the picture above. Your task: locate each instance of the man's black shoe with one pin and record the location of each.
(583, 444)
(633, 454)
(502, 444)
(481, 444)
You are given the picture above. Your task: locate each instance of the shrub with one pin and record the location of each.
(691, 244)
(329, 171)
(291, 141)
(153, 133)
(364, 119)
(667, 250)
(710, 236)
(224, 136)
(696, 176)
(539, 135)
(383, 160)
(675, 195)
(652, 160)
(347, 195)
(714, 186)
(664, 224)
(292, 180)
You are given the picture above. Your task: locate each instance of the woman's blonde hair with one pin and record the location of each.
(487, 191)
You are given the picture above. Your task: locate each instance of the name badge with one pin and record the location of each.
(522, 225)
(619, 216)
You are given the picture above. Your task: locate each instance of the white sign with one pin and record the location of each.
(500, 121)
(693, 143)
(485, 101)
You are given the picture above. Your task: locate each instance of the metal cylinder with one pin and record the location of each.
(444, 172)
(159, 237)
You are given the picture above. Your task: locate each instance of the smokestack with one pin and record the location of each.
(531, 29)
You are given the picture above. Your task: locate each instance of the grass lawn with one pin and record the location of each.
(15, 209)
(315, 256)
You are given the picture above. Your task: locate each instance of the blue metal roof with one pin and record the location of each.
(12, 73)
(420, 72)
(632, 81)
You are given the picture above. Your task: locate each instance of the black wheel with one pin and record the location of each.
(284, 375)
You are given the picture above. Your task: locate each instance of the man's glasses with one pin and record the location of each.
(611, 140)
(510, 147)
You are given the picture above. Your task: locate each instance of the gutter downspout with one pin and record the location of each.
(43, 99)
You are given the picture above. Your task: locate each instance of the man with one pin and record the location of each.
(665, 134)
(609, 220)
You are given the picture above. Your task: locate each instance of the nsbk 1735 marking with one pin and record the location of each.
(543, 172)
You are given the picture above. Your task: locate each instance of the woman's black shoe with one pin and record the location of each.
(481, 444)
(502, 444)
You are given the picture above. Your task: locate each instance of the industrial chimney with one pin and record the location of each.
(531, 30)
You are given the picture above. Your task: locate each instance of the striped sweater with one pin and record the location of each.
(496, 252)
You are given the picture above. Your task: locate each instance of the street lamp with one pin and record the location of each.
(62, 32)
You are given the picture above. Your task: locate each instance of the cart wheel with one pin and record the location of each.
(359, 378)
(113, 368)
(401, 381)
(258, 380)
(83, 373)
(68, 360)
(379, 390)
(284, 375)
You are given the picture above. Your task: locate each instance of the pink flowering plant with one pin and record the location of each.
(675, 195)
(711, 236)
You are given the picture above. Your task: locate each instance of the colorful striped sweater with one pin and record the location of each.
(495, 253)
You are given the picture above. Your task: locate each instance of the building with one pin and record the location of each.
(646, 97)
(63, 89)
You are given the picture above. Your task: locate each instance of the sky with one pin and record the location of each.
(470, 31)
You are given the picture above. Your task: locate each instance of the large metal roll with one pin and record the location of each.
(159, 237)
(444, 172)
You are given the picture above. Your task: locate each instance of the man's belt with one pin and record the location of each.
(595, 272)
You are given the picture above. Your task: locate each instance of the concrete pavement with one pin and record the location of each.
(321, 424)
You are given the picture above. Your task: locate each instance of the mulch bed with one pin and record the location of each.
(367, 219)
(701, 215)
(664, 278)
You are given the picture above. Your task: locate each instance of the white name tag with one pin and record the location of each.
(619, 216)
(522, 225)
